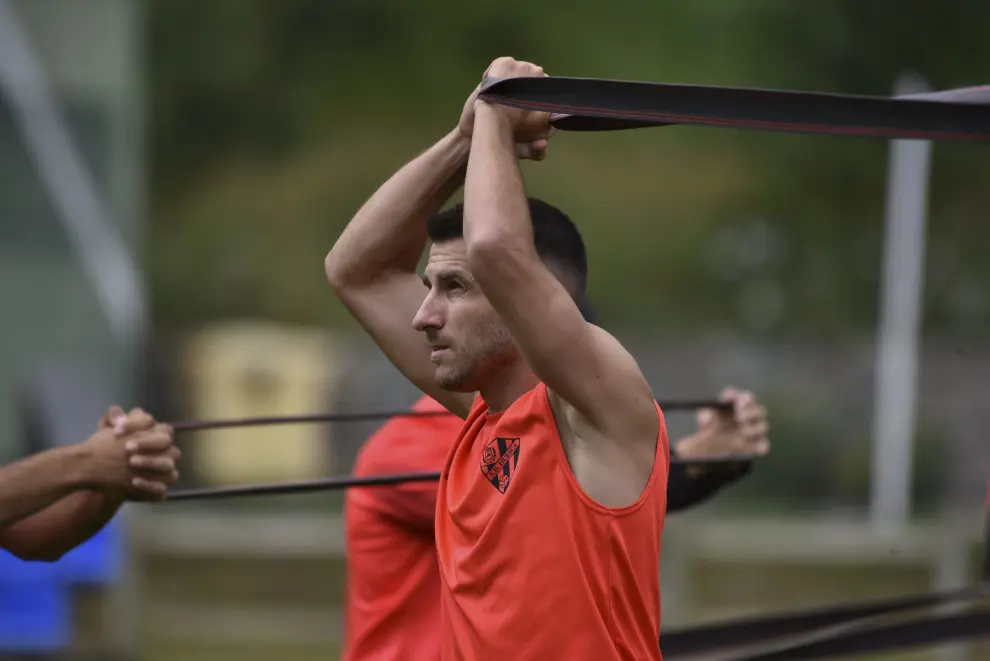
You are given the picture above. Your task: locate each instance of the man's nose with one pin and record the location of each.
(428, 316)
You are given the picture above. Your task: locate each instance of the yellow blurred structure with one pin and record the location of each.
(251, 369)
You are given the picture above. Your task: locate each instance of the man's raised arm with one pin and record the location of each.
(372, 266)
(580, 363)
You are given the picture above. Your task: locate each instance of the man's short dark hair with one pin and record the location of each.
(555, 236)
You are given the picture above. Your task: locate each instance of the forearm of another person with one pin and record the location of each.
(372, 266)
(687, 488)
(30, 485)
(55, 500)
(54, 531)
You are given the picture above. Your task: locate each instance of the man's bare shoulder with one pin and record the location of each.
(627, 407)
(612, 471)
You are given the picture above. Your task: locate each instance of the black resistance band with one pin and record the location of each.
(595, 104)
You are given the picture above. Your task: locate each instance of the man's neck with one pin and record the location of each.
(507, 385)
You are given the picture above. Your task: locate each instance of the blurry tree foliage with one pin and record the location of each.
(270, 123)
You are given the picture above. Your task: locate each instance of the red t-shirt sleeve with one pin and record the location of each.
(407, 445)
(412, 505)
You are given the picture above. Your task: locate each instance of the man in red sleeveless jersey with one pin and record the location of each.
(551, 506)
(393, 581)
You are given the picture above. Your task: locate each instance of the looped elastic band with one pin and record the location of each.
(597, 104)
(197, 425)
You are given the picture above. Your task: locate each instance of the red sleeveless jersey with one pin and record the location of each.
(531, 567)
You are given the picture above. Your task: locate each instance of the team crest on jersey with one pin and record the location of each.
(499, 460)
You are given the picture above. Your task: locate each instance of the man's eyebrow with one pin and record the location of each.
(448, 274)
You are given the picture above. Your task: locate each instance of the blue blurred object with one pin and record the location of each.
(36, 597)
(35, 611)
(35, 616)
(97, 562)
(14, 571)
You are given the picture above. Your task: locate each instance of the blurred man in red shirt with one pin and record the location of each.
(393, 580)
(393, 591)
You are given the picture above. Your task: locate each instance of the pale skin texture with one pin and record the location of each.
(493, 319)
(54, 501)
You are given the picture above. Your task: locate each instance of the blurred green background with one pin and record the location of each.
(270, 123)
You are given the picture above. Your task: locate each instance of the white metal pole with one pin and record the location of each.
(902, 291)
(105, 259)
